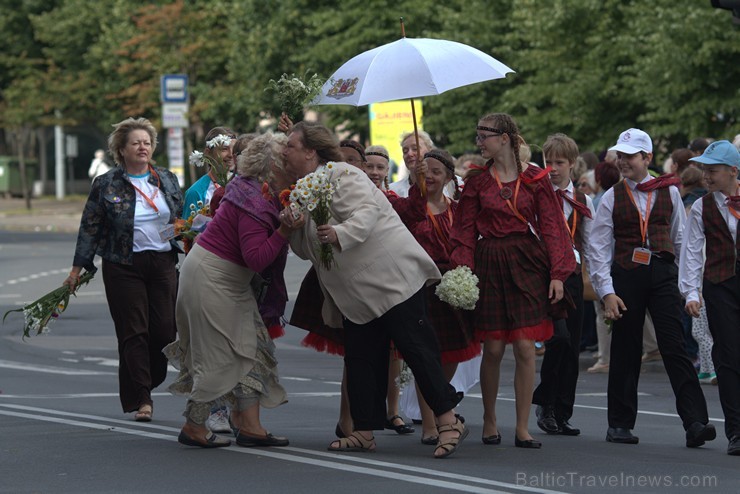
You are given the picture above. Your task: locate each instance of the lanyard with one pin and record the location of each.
(643, 223)
(572, 229)
(516, 194)
(438, 229)
(150, 200)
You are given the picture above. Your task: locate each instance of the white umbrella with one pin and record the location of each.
(408, 68)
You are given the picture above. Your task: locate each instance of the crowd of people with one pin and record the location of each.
(571, 247)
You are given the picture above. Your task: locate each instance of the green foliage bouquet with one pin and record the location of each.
(293, 93)
(39, 314)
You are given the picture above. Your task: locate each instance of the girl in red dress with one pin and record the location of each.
(430, 220)
(509, 230)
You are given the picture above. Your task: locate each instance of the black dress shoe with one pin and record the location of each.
(494, 439)
(400, 429)
(566, 429)
(621, 435)
(529, 443)
(546, 419)
(698, 433)
(733, 449)
(251, 441)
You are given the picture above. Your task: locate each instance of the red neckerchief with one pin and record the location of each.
(659, 183)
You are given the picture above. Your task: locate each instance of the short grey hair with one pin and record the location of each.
(256, 161)
(423, 136)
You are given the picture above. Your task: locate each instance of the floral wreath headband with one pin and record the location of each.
(219, 140)
(378, 153)
(441, 158)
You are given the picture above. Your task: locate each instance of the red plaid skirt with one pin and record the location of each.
(307, 315)
(454, 329)
(514, 274)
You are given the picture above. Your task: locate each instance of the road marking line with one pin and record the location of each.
(7, 364)
(416, 479)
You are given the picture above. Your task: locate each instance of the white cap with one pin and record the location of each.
(632, 141)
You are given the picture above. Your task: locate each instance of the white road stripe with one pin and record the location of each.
(48, 369)
(422, 477)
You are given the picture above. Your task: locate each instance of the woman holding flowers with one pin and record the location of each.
(374, 287)
(128, 221)
(430, 220)
(224, 352)
(509, 230)
(218, 158)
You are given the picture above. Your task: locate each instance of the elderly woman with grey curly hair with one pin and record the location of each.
(224, 352)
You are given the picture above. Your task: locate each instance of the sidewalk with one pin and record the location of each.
(46, 215)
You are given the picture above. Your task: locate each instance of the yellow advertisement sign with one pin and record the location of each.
(388, 122)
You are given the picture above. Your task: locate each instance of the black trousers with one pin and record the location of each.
(366, 358)
(141, 299)
(723, 314)
(655, 288)
(559, 370)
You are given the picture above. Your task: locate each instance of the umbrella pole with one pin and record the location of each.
(420, 178)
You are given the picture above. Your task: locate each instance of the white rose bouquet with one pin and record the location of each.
(313, 193)
(459, 288)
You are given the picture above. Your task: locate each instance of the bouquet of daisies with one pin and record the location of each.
(222, 173)
(294, 93)
(313, 193)
(459, 288)
(39, 314)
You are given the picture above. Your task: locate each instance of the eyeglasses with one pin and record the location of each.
(483, 137)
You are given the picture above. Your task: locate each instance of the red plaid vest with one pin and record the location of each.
(578, 238)
(721, 253)
(627, 225)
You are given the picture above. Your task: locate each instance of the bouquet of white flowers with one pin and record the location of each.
(222, 173)
(293, 93)
(459, 288)
(313, 193)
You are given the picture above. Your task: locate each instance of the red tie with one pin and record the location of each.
(581, 208)
(659, 183)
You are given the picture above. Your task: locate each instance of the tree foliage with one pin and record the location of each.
(589, 68)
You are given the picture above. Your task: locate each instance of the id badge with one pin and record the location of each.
(167, 233)
(577, 255)
(641, 256)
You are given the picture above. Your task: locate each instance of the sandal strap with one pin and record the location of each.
(456, 427)
(355, 440)
(391, 419)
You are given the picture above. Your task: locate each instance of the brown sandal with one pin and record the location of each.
(144, 414)
(355, 442)
(451, 445)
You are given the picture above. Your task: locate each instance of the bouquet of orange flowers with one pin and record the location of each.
(188, 229)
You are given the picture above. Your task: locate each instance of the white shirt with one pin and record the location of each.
(586, 224)
(147, 222)
(692, 254)
(401, 187)
(601, 246)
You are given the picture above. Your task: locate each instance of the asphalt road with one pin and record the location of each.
(62, 429)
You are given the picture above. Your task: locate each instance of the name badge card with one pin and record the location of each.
(641, 256)
(167, 233)
(577, 255)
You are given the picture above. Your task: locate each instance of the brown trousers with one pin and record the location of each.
(141, 298)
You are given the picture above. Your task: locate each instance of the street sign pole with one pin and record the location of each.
(174, 96)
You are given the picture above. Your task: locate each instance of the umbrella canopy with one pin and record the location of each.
(408, 68)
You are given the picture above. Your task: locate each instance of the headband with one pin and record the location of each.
(441, 158)
(354, 145)
(378, 153)
(491, 129)
(220, 140)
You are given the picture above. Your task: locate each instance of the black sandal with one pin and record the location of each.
(400, 429)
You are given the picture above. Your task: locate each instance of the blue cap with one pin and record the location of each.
(720, 153)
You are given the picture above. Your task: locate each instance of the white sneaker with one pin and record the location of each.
(218, 421)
